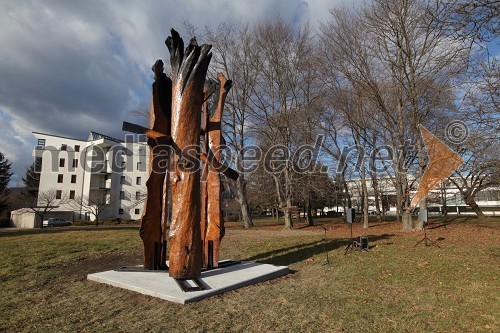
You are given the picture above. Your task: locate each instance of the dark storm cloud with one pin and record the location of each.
(69, 67)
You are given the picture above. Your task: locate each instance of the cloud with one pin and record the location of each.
(69, 67)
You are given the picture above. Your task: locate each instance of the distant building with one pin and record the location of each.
(99, 167)
(446, 195)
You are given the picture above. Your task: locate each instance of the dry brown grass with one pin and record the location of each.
(392, 288)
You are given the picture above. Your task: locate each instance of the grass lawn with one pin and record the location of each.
(392, 288)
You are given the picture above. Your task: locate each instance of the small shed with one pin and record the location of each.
(23, 218)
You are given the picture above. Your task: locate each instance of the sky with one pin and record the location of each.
(71, 67)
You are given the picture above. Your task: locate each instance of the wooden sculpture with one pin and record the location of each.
(153, 222)
(212, 218)
(176, 115)
(188, 76)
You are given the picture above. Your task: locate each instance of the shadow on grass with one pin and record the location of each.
(58, 230)
(438, 226)
(297, 253)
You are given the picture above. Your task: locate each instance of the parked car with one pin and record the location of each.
(56, 222)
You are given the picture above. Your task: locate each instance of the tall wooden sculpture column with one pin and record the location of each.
(188, 79)
(214, 222)
(174, 140)
(153, 222)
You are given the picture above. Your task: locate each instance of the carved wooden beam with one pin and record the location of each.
(161, 138)
(152, 230)
(215, 222)
(189, 68)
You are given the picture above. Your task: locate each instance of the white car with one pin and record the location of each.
(55, 222)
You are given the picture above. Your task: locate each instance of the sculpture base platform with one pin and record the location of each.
(216, 281)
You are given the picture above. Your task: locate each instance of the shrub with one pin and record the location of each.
(4, 223)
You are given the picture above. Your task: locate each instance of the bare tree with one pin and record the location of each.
(284, 99)
(476, 21)
(261, 192)
(94, 204)
(391, 53)
(314, 190)
(234, 53)
(475, 137)
(479, 171)
(46, 202)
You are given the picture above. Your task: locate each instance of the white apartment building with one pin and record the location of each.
(99, 169)
(488, 199)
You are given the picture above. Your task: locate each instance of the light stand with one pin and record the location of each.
(350, 217)
(422, 216)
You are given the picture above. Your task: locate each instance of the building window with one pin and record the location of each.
(120, 211)
(137, 211)
(138, 181)
(40, 144)
(139, 166)
(58, 194)
(60, 178)
(73, 179)
(71, 194)
(122, 194)
(77, 148)
(122, 180)
(75, 162)
(137, 195)
(62, 162)
(64, 147)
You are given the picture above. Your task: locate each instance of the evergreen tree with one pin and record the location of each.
(5, 175)
(32, 177)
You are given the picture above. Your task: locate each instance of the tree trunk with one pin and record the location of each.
(243, 201)
(443, 199)
(399, 200)
(377, 196)
(188, 71)
(310, 221)
(365, 194)
(471, 202)
(407, 221)
(288, 214)
(422, 162)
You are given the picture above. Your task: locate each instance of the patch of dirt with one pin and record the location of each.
(79, 270)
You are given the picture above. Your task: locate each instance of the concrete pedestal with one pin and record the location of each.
(217, 281)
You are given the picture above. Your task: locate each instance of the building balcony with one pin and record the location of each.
(103, 168)
(99, 197)
(102, 185)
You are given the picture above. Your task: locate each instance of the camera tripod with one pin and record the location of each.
(427, 240)
(350, 245)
